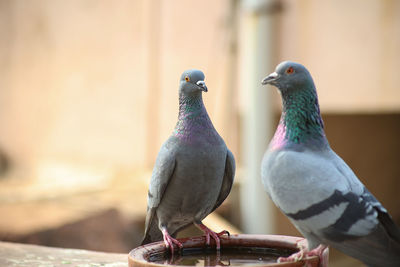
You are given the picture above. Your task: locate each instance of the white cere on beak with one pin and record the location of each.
(273, 75)
(201, 83)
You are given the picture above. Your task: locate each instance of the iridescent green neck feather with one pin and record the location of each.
(301, 123)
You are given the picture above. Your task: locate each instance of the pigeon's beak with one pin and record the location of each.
(202, 86)
(270, 79)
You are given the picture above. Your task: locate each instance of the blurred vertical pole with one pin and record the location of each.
(152, 28)
(257, 52)
(231, 111)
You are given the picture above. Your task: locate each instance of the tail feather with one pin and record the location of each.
(152, 236)
(391, 228)
(152, 233)
(379, 248)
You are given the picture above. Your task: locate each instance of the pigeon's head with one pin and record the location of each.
(289, 76)
(192, 82)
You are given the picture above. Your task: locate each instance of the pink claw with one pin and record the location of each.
(303, 253)
(213, 234)
(170, 241)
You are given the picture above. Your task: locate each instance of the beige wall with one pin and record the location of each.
(350, 47)
(72, 80)
(96, 82)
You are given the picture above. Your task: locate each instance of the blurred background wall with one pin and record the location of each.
(96, 81)
(89, 93)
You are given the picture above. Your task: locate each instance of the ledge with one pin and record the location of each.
(21, 255)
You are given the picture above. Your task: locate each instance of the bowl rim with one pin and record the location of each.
(139, 255)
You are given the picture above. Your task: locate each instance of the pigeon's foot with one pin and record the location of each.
(170, 241)
(303, 253)
(209, 233)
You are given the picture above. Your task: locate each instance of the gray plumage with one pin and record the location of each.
(194, 169)
(314, 187)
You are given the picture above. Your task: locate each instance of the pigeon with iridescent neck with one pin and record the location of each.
(314, 187)
(193, 173)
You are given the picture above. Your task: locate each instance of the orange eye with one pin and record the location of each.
(289, 70)
(187, 78)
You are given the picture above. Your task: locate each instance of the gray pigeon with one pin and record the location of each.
(193, 173)
(314, 187)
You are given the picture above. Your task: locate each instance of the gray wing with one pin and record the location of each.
(162, 172)
(227, 182)
(346, 216)
(338, 217)
(379, 246)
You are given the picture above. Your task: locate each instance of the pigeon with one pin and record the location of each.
(193, 173)
(314, 187)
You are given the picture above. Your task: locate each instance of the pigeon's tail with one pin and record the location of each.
(152, 232)
(153, 235)
(380, 248)
(392, 243)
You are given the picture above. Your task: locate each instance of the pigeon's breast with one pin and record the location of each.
(297, 180)
(196, 182)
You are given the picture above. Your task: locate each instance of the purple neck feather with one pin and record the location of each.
(194, 124)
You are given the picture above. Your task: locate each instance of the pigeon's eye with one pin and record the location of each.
(289, 70)
(187, 78)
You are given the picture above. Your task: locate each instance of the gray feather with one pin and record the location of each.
(227, 182)
(152, 232)
(162, 172)
(378, 248)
